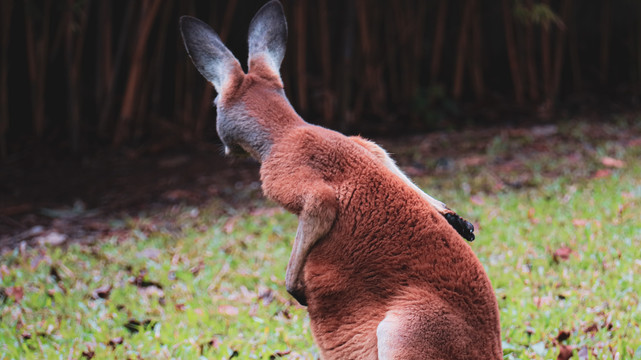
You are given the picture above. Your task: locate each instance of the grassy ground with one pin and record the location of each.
(557, 231)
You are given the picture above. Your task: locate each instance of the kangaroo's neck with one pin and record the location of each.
(258, 120)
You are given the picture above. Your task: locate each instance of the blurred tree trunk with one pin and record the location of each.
(510, 43)
(123, 127)
(605, 41)
(559, 52)
(37, 46)
(476, 60)
(462, 48)
(300, 7)
(74, 41)
(6, 8)
(326, 63)
(439, 36)
(529, 55)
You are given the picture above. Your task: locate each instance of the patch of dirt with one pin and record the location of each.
(48, 199)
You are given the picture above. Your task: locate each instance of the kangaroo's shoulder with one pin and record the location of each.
(319, 147)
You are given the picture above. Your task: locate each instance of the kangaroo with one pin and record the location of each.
(378, 263)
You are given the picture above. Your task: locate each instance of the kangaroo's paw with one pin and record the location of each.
(462, 226)
(314, 222)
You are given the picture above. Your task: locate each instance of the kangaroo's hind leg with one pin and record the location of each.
(425, 330)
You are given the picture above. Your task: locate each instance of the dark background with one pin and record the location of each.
(81, 76)
(103, 115)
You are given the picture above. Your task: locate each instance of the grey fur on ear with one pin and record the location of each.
(208, 53)
(268, 34)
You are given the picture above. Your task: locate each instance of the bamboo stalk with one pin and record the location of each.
(604, 58)
(301, 74)
(575, 60)
(461, 55)
(37, 64)
(6, 8)
(157, 77)
(477, 58)
(559, 51)
(545, 55)
(639, 48)
(439, 36)
(420, 19)
(73, 56)
(511, 51)
(347, 67)
(369, 76)
(153, 77)
(150, 8)
(529, 56)
(106, 106)
(326, 64)
(391, 53)
(105, 49)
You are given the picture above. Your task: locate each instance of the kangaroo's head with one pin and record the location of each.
(252, 108)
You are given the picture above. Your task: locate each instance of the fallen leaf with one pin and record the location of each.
(269, 211)
(635, 142)
(543, 300)
(150, 253)
(116, 341)
(15, 292)
(565, 352)
(135, 326)
(612, 162)
(473, 160)
(579, 222)
(101, 292)
(279, 354)
(178, 194)
(213, 343)
(4, 271)
(591, 329)
(179, 307)
(89, 353)
(53, 238)
(583, 353)
(149, 291)
(562, 253)
(228, 310)
(477, 200)
(601, 173)
(267, 295)
(563, 335)
(229, 224)
(531, 216)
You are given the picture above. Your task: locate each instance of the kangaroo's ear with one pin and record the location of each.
(268, 35)
(212, 58)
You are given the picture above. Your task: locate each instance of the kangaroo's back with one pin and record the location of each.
(378, 262)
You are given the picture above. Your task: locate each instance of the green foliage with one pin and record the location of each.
(433, 105)
(538, 14)
(563, 256)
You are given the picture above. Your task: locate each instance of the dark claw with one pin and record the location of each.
(299, 296)
(462, 226)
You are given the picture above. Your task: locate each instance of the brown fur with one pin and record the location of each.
(384, 275)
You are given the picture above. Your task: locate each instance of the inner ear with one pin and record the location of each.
(208, 53)
(268, 35)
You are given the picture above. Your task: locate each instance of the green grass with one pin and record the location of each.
(218, 291)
